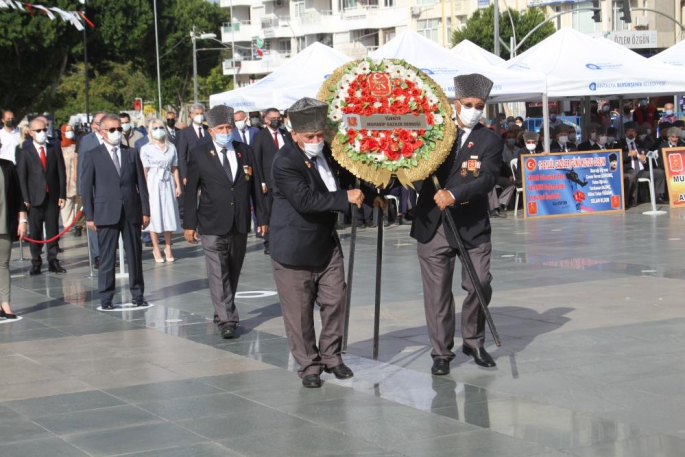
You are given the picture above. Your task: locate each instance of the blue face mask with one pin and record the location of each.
(224, 139)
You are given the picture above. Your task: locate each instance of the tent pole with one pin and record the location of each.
(545, 120)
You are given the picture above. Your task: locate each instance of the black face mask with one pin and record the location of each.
(9, 123)
(171, 122)
(274, 124)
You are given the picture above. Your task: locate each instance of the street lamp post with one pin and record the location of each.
(194, 36)
(85, 68)
(159, 74)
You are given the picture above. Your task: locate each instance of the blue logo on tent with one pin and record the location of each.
(593, 86)
(593, 66)
(326, 76)
(427, 71)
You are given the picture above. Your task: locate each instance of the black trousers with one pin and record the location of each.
(269, 202)
(108, 239)
(48, 213)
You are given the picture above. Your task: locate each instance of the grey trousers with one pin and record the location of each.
(437, 260)
(298, 289)
(630, 182)
(508, 189)
(224, 257)
(5, 253)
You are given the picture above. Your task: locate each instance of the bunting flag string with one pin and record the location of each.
(72, 17)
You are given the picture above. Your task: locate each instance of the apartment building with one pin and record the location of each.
(266, 33)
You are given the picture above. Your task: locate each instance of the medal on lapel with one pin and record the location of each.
(248, 172)
(464, 171)
(212, 152)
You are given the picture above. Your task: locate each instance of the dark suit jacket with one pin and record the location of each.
(187, 140)
(172, 138)
(86, 143)
(224, 204)
(13, 198)
(554, 146)
(470, 211)
(105, 191)
(588, 146)
(265, 150)
(628, 161)
(250, 131)
(304, 212)
(34, 179)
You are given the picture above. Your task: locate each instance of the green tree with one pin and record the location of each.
(214, 83)
(479, 29)
(113, 89)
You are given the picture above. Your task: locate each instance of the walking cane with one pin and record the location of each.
(350, 271)
(467, 263)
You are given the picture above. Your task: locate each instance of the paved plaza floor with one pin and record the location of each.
(591, 311)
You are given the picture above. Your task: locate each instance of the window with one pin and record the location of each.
(428, 28)
(298, 9)
(389, 3)
(448, 30)
(617, 14)
(582, 20)
(349, 4)
(425, 2)
(284, 47)
(301, 43)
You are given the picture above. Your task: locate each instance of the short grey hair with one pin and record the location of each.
(673, 131)
(109, 117)
(195, 106)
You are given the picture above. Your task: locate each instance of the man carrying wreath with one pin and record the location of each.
(309, 188)
(467, 176)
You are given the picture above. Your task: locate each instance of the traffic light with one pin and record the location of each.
(597, 13)
(625, 9)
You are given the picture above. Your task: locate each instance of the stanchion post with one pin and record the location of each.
(654, 212)
(122, 268)
(91, 273)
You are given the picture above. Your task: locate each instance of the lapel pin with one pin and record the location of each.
(212, 152)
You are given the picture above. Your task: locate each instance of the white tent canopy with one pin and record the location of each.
(443, 65)
(578, 65)
(301, 77)
(468, 50)
(675, 55)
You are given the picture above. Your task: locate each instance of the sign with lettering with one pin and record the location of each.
(674, 164)
(385, 122)
(572, 183)
(633, 39)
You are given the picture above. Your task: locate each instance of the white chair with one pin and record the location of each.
(519, 190)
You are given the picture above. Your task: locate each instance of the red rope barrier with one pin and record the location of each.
(54, 238)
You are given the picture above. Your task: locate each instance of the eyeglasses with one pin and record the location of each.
(40, 130)
(157, 128)
(114, 129)
(469, 105)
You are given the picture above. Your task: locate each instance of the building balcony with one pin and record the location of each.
(242, 31)
(271, 61)
(228, 3)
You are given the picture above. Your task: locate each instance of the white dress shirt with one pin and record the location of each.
(245, 135)
(232, 159)
(111, 156)
(38, 146)
(324, 172)
(279, 136)
(9, 141)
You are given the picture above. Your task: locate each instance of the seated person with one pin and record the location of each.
(636, 165)
(560, 142)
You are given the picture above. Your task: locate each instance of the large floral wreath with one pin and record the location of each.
(364, 88)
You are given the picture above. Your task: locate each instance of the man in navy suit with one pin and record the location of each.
(244, 132)
(225, 172)
(115, 201)
(85, 144)
(267, 142)
(189, 137)
(309, 188)
(42, 176)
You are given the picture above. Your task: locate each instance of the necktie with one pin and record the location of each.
(226, 165)
(172, 133)
(276, 138)
(43, 159)
(314, 161)
(115, 159)
(242, 132)
(199, 132)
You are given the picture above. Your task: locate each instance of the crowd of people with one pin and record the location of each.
(227, 171)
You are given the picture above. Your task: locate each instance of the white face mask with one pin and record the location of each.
(610, 139)
(288, 125)
(198, 118)
(531, 146)
(314, 149)
(41, 137)
(563, 139)
(69, 135)
(113, 138)
(469, 116)
(158, 134)
(126, 127)
(240, 125)
(602, 140)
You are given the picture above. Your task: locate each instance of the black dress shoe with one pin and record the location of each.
(139, 301)
(78, 231)
(341, 371)
(4, 315)
(34, 271)
(228, 332)
(440, 367)
(107, 306)
(267, 252)
(480, 356)
(312, 381)
(497, 213)
(55, 267)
